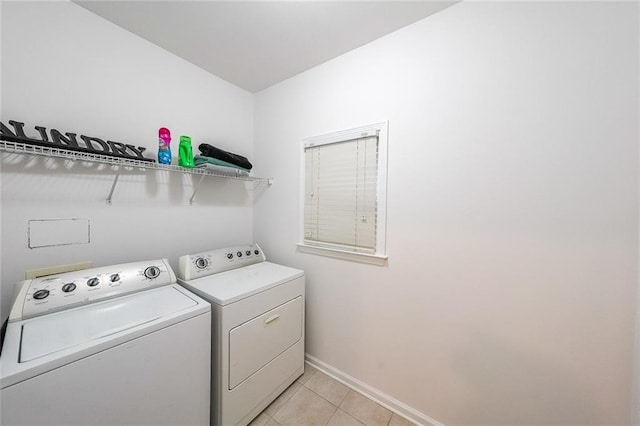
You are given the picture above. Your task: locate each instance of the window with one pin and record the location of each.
(345, 180)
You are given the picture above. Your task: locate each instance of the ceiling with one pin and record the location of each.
(255, 44)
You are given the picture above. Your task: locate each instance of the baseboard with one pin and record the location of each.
(372, 393)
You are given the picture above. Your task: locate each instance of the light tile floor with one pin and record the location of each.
(317, 399)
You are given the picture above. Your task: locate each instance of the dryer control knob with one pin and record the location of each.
(229, 255)
(256, 252)
(92, 282)
(68, 287)
(202, 263)
(40, 294)
(114, 277)
(239, 254)
(248, 252)
(152, 272)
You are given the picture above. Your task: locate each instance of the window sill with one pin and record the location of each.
(373, 259)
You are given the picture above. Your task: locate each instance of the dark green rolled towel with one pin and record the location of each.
(235, 159)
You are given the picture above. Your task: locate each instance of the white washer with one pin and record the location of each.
(113, 345)
(258, 327)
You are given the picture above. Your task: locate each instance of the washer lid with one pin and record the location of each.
(231, 286)
(51, 333)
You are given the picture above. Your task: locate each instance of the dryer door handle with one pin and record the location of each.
(271, 319)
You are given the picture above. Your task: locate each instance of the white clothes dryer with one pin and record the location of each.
(257, 329)
(113, 345)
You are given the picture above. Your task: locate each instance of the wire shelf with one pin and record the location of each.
(45, 151)
(54, 152)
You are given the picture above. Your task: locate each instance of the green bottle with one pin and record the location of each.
(185, 152)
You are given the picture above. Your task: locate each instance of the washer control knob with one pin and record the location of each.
(40, 294)
(229, 255)
(152, 272)
(201, 263)
(256, 252)
(248, 252)
(68, 287)
(239, 254)
(92, 282)
(114, 277)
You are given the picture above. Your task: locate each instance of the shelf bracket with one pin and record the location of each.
(195, 189)
(113, 187)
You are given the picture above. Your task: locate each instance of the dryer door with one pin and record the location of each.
(255, 343)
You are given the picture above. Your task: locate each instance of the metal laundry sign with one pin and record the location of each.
(70, 141)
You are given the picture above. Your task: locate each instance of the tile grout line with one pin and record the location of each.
(332, 414)
(285, 401)
(337, 407)
(357, 387)
(341, 401)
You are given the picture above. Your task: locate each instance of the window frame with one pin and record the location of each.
(380, 256)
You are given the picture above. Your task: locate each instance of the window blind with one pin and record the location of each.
(340, 207)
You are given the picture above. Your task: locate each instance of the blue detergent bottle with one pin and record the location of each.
(164, 146)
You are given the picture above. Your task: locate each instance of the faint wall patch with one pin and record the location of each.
(58, 232)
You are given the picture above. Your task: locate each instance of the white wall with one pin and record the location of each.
(509, 296)
(66, 68)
